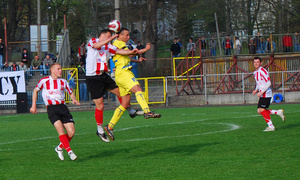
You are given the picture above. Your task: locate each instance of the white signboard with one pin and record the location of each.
(11, 83)
(34, 38)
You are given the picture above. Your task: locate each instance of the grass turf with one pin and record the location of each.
(185, 143)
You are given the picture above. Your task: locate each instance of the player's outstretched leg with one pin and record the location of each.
(266, 116)
(279, 112)
(142, 102)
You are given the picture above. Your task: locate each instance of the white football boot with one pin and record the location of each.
(280, 113)
(60, 153)
(72, 155)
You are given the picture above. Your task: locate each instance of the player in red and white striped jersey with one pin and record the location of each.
(98, 81)
(53, 88)
(264, 91)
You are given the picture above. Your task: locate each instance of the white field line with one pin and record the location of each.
(232, 127)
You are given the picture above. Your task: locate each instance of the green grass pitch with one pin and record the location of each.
(225, 142)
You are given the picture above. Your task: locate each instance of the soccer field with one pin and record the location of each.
(185, 143)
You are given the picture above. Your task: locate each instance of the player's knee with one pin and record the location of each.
(71, 133)
(259, 110)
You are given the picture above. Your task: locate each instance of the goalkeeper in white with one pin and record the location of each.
(264, 91)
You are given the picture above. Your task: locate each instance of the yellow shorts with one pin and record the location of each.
(125, 80)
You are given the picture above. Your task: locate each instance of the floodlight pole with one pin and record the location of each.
(117, 10)
(39, 50)
(218, 34)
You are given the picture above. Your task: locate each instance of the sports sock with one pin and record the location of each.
(117, 115)
(273, 111)
(99, 116)
(130, 110)
(266, 116)
(65, 142)
(142, 101)
(60, 146)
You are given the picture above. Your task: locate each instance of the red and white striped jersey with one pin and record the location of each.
(261, 78)
(53, 90)
(96, 60)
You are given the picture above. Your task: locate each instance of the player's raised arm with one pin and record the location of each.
(104, 41)
(126, 51)
(148, 46)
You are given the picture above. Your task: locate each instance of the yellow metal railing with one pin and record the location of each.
(146, 87)
(71, 74)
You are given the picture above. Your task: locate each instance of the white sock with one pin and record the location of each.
(270, 124)
(100, 130)
(273, 111)
(130, 110)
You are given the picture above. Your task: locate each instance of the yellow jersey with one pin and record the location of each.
(121, 61)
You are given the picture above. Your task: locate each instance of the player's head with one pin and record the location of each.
(123, 35)
(105, 34)
(55, 70)
(257, 62)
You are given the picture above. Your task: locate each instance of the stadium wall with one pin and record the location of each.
(224, 99)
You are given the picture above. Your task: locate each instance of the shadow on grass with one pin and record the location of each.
(290, 126)
(105, 154)
(184, 149)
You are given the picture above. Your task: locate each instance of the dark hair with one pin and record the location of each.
(123, 29)
(104, 31)
(258, 58)
(190, 38)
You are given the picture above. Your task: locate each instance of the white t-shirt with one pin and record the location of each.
(53, 90)
(261, 78)
(96, 60)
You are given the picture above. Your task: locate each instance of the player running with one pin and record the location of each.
(127, 82)
(97, 79)
(264, 91)
(53, 88)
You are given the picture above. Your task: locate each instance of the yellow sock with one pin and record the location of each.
(142, 101)
(117, 115)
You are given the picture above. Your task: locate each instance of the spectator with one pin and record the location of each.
(252, 46)
(257, 42)
(5, 67)
(130, 47)
(81, 53)
(71, 79)
(213, 46)
(1, 53)
(14, 67)
(270, 46)
(227, 45)
(35, 65)
(178, 41)
(296, 42)
(287, 43)
(47, 63)
(175, 49)
(23, 67)
(203, 46)
(191, 48)
(260, 46)
(25, 56)
(82, 83)
(238, 45)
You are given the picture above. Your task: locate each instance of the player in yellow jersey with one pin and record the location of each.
(127, 83)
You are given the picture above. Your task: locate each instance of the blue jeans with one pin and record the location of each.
(45, 69)
(227, 52)
(82, 91)
(297, 48)
(213, 52)
(1, 61)
(32, 71)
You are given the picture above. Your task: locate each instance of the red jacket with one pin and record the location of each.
(287, 41)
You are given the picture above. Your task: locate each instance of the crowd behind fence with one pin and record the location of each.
(158, 89)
